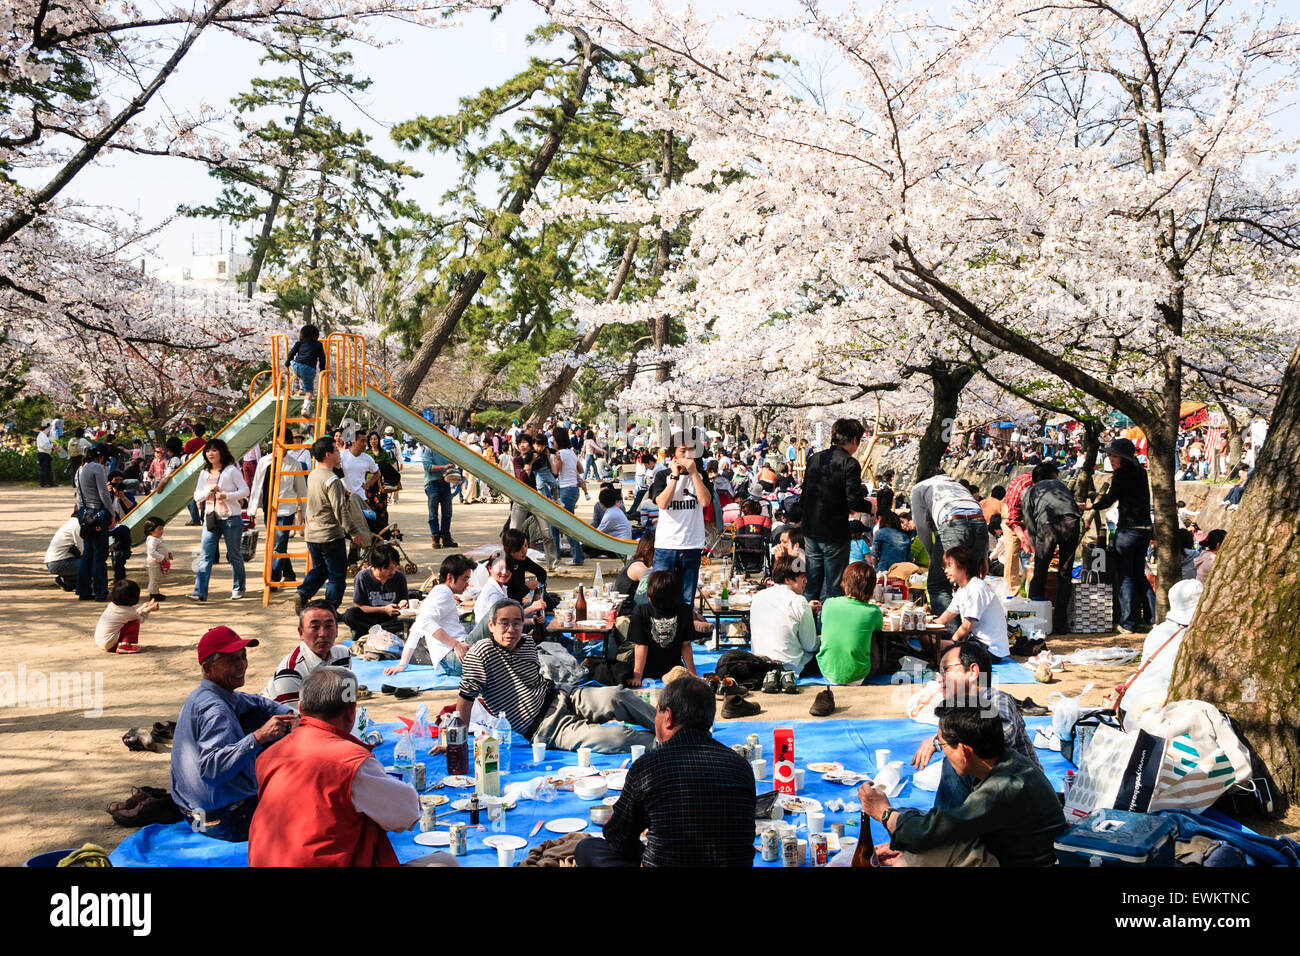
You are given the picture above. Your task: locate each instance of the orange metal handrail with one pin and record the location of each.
(252, 385)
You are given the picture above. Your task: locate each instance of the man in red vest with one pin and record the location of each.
(324, 799)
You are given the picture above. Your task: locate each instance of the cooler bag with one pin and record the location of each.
(1118, 838)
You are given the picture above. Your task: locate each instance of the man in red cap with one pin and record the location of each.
(218, 736)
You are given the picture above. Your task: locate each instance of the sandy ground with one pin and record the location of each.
(60, 766)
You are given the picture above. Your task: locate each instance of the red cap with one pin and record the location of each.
(222, 640)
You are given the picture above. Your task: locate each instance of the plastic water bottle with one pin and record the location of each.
(501, 731)
(404, 758)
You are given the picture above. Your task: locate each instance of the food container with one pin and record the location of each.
(590, 788)
(1117, 838)
(600, 814)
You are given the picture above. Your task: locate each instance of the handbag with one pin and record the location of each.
(211, 522)
(1092, 599)
(248, 544)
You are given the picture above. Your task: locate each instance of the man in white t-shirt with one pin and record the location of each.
(357, 466)
(680, 492)
(781, 619)
(438, 623)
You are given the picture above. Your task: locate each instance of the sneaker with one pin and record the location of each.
(789, 683)
(236, 595)
(739, 707)
(772, 682)
(128, 649)
(197, 597)
(298, 602)
(823, 704)
(1124, 630)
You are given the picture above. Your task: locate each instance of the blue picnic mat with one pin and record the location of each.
(419, 676)
(850, 742)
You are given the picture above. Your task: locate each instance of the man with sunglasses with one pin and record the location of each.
(966, 673)
(1012, 816)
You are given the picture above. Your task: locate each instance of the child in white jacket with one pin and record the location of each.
(158, 560)
(118, 629)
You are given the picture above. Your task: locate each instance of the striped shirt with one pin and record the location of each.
(507, 680)
(1011, 503)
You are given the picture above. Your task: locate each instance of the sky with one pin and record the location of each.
(422, 72)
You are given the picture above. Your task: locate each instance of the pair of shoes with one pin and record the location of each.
(128, 649)
(789, 682)
(163, 729)
(1030, 709)
(154, 805)
(739, 707)
(772, 682)
(137, 739)
(197, 597)
(138, 796)
(158, 597)
(298, 602)
(401, 693)
(823, 704)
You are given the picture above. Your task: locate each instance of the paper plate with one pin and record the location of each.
(510, 840)
(610, 801)
(615, 781)
(457, 780)
(567, 825)
(433, 799)
(828, 766)
(568, 773)
(484, 802)
(796, 804)
(591, 624)
(846, 777)
(433, 838)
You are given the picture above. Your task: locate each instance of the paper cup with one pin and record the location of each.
(638, 751)
(798, 780)
(539, 751)
(760, 768)
(505, 856)
(584, 756)
(882, 759)
(816, 822)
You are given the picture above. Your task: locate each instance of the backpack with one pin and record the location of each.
(744, 668)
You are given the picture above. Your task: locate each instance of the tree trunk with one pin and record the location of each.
(1236, 444)
(1242, 648)
(1085, 485)
(412, 376)
(947, 384)
(659, 324)
(273, 207)
(555, 391)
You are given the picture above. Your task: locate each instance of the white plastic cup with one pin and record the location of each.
(505, 856)
(816, 822)
(539, 751)
(638, 751)
(760, 768)
(882, 759)
(584, 756)
(798, 780)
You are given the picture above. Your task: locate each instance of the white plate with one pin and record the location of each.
(846, 777)
(568, 773)
(510, 840)
(433, 838)
(567, 825)
(615, 781)
(610, 801)
(457, 780)
(796, 804)
(591, 624)
(829, 766)
(483, 801)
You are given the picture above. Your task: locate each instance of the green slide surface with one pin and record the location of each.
(485, 471)
(250, 426)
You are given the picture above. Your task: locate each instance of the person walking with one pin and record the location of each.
(329, 523)
(1052, 518)
(564, 465)
(45, 455)
(1131, 490)
(438, 491)
(832, 488)
(221, 487)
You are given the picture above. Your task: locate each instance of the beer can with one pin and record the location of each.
(752, 740)
(428, 816)
(459, 839)
(837, 829)
(818, 847)
(790, 851)
(740, 749)
(771, 847)
(420, 782)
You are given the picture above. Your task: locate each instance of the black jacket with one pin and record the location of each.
(1130, 488)
(832, 487)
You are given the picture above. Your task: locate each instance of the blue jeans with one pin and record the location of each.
(547, 484)
(969, 533)
(439, 495)
(195, 517)
(569, 498)
(591, 468)
(328, 560)
(686, 564)
(232, 529)
(954, 788)
(826, 563)
(1130, 556)
(306, 374)
(92, 572)
(281, 567)
(636, 501)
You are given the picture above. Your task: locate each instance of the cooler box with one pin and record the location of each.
(1118, 838)
(1030, 615)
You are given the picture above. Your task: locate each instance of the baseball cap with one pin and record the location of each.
(222, 640)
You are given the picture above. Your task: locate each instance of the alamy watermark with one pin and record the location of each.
(65, 690)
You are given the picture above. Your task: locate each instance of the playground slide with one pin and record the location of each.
(408, 421)
(251, 425)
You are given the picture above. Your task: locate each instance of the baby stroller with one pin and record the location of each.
(750, 551)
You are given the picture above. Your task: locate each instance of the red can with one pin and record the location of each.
(818, 847)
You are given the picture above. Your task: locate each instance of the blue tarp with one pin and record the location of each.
(851, 742)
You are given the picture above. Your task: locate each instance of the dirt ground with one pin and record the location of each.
(60, 766)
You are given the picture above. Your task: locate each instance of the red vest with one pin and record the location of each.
(305, 815)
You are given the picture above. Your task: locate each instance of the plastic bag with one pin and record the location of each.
(421, 736)
(561, 666)
(380, 640)
(1102, 655)
(921, 705)
(1065, 712)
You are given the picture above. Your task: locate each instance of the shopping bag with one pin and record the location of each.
(248, 544)
(1092, 600)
